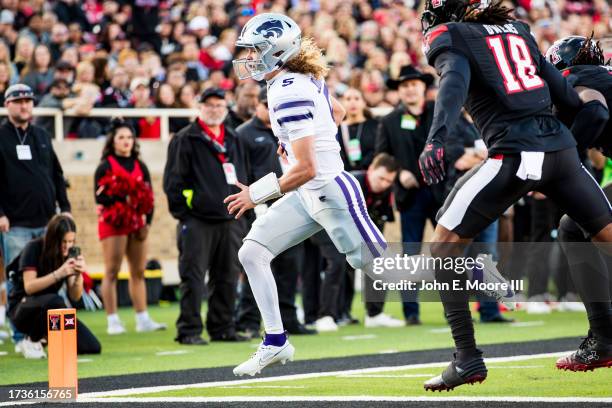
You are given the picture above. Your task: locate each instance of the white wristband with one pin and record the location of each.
(264, 189)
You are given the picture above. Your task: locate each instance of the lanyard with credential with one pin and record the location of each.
(23, 150)
(218, 147)
(228, 168)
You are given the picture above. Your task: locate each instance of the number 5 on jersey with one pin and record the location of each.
(524, 67)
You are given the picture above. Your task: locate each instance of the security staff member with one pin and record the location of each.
(260, 146)
(205, 161)
(402, 134)
(31, 178)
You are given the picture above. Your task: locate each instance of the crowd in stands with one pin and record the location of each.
(162, 54)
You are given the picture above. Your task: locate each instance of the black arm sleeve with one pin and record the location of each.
(101, 198)
(454, 145)
(454, 70)
(61, 196)
(564, 97)
(147, 179)
(589, 123)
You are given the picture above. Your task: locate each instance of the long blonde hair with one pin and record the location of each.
(309, 60)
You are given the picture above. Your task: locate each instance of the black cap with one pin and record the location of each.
(18, 91)
(407, 73)
(212, 92)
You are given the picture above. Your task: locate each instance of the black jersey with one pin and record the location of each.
(511, 85)
(599, 78)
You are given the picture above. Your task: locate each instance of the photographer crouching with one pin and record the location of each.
(38, 274)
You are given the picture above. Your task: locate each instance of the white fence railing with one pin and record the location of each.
(163, 114)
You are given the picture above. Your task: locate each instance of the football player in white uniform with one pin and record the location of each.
(318, 193)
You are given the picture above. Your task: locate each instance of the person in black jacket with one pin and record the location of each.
(402, 134)
(260, 145)
(205, 160)
(31, 178)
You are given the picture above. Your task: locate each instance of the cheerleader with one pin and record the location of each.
(125, 207)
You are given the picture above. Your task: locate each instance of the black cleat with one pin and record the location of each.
(591, 354)
(469, 372)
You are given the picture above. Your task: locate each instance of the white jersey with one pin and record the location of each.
(300, 106)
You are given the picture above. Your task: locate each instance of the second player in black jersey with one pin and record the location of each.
(581, 60)
(489, 63)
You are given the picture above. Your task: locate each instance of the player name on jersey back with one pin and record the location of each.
(500, 29)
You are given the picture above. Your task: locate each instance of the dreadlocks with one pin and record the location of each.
(590, 53)
(495, 13)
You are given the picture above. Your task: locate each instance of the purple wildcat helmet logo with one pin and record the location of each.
(271, 28)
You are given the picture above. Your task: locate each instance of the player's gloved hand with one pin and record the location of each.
(431, 162)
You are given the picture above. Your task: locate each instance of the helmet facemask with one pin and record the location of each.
(255, 68)
(428, 20)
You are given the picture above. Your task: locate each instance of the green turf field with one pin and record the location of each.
(137, 353)
(505, 379)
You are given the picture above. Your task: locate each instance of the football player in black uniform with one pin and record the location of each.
(581, 60)
(490, 63)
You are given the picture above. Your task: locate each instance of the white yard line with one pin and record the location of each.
(532, 323)
(147, 390)
(359, 337)
(172, 352)
(386, 376)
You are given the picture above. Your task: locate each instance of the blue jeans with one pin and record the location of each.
(489, 309)
(16, 239)
(12, 243)
(413, 220)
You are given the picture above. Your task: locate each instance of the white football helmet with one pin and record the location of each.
(274, 38)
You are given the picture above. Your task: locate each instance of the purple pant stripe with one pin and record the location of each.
(362, 231)
(364, 212)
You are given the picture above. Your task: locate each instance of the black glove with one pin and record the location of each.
(431, 163)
